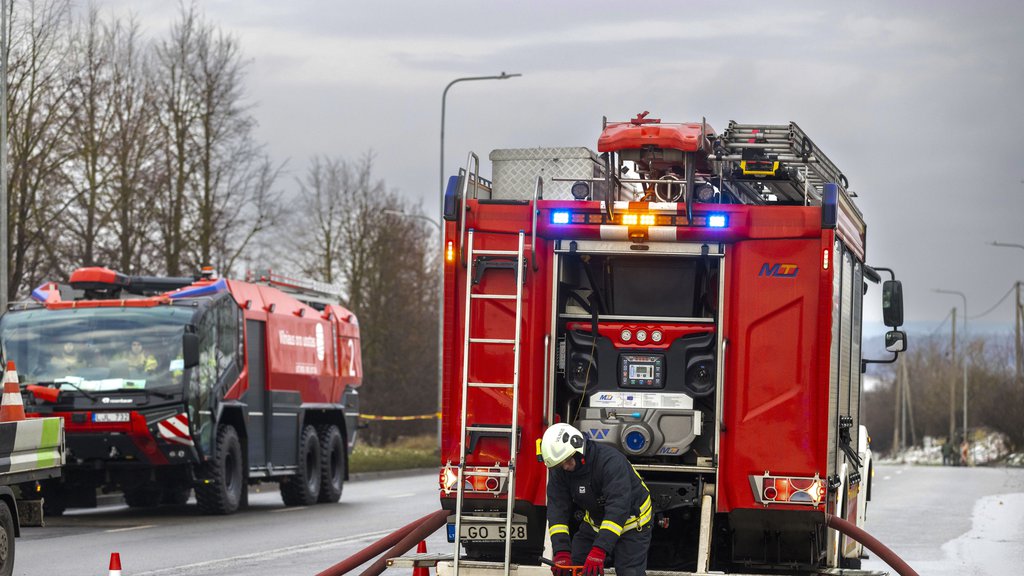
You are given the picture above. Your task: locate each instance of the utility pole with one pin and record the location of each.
(909, 409)
(1019, 317)
(897, 405)
(903, 402)
(952, 384)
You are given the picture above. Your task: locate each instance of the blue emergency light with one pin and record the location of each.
(560, 217)
(717, 221)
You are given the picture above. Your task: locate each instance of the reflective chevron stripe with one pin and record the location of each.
(175, 429)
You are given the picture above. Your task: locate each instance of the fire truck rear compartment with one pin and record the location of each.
(646, 383)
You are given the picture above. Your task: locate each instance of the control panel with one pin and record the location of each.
(642, 371)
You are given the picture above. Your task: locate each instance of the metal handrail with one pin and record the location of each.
(538, 194)
(462, 194)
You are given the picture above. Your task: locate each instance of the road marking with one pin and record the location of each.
(269, 554)
(290, 509)
(406, 495)
(130, 528)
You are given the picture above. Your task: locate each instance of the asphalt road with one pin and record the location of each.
(949, 521)
(942, 521)
(266, 538)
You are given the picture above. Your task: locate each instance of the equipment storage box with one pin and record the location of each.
(514, 171)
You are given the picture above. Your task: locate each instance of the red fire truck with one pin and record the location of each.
(693, 299)
(170, 384)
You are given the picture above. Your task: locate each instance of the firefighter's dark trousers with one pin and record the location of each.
(629, 557)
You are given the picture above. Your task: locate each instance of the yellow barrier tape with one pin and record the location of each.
(433, 416)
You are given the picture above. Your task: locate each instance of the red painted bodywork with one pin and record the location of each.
(292, 356)
(778, 329)
(627, 135)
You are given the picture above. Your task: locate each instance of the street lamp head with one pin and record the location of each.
(1006, 245)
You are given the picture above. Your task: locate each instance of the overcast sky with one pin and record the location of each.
(919, 103)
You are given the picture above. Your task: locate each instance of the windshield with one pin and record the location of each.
(98, 349)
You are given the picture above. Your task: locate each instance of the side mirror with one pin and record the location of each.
(896, 341)
(190, 349)
(892, 304)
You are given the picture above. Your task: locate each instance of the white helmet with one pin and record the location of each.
(559, 443)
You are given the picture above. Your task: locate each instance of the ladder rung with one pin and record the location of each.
(496, 252)
(488, 385)
(501, 474)
(503, 429)
(494, 296)
(493, 340)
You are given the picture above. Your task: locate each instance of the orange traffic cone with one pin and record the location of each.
(115, 564)
(11, 408)
(421, 548)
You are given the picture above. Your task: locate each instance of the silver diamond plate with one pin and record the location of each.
(515, 171)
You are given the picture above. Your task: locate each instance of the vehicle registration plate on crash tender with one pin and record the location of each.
(481, 532)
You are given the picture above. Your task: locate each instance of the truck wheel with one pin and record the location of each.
(303, 488)
(332, 463)
(6, 540)
(224, 491)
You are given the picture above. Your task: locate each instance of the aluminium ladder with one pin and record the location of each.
(509, 473)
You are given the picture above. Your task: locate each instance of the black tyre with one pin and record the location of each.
(6, 540)
(303, 488)
(332, 462)
(223, 493)
(143, 497)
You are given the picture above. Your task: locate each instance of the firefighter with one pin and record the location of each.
(138, 359)
(616, 504)
(67, 360)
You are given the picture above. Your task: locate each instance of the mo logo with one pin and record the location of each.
(779, 270)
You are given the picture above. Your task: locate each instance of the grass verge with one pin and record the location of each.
(414, 452)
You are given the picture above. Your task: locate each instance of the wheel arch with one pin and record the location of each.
(7, 497)
(232, 415)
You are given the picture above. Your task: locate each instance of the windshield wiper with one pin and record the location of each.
(69, 383)
(157, 393)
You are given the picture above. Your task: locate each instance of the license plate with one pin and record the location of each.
(486, 532)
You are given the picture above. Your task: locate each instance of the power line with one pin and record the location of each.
(996, 305)
(943, 323)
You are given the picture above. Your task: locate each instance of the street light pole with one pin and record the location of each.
(441, 247)
(444, 98)
(963, 347)
(1018, 320)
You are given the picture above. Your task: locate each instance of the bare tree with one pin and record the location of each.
(38, 108)
(383, 261)
(216, 184)
(177, 114)
(321, 195)
(87, 169)
(132, 148)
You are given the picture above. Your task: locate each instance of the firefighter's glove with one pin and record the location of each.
(594, 566)
(561, 563)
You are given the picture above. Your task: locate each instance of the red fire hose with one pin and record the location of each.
(427, 527)
(871, 543)
(414, 532)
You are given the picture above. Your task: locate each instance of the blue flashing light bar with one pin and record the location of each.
(40, 294)
(218, 286)
(560, 217)
(717, 221)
